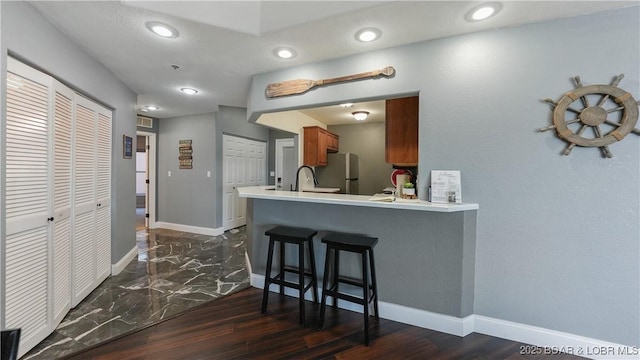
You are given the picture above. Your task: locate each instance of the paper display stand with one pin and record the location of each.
(446, 186)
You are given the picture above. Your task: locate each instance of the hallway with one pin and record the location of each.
(174, 271)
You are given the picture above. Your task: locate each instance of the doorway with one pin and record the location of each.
(145, 180)
(286, 162)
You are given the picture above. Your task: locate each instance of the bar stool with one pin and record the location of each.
(362, 245)
(298, 236)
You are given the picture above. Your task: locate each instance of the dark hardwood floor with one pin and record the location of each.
(233, 328)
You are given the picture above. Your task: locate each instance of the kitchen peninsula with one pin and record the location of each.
(425, 256)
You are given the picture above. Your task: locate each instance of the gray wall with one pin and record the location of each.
(366, 140)
(557, 236)
(232, 121)
(31, 37)
(187, 196)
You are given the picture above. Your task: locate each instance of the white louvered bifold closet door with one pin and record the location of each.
(62, 145)
(27, 251)
(103, 212)
(84, 195)
(57, 200)
(91, 240)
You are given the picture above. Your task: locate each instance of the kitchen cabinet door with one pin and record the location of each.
(402, 131)
(317, 143)
(332, 142)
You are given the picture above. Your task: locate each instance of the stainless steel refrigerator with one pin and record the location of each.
(341, 172)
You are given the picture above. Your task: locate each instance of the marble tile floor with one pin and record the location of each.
(173, 271)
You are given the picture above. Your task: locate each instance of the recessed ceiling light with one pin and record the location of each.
(152, 107)
(360, 115)
(189, 91)
(483, 11)
(368, 34)
(285, 53)
(161, 29)
(346, 105)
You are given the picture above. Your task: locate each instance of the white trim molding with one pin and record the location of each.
(547, 342)
(552, 342)
(124, 261)
(189, 228)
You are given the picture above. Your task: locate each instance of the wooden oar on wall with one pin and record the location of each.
(299, 86)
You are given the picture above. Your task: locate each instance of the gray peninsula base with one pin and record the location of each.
(424, 260)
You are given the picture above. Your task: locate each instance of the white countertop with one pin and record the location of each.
(262, 192)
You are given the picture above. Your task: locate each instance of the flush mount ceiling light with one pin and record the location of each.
(285, 53)
(360, 115)
(161, 29)
(368, 34)
(483, 11)
(189, 91)
(151, 107)
(144, 110)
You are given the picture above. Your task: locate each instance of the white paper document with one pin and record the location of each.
(446, 186)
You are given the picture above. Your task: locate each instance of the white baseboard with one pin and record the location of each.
(122, 263)
(421, 318)
(551, 341)
(189, 228)
(249, 269)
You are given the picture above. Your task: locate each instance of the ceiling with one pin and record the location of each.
(222, 44)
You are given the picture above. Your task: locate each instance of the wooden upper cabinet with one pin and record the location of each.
(333, 144)
(317, 143)
(401, 133)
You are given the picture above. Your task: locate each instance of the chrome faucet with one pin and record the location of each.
(313, 173)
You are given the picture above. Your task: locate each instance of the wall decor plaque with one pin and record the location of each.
(609, 111)
(127, 147)
(185, 154)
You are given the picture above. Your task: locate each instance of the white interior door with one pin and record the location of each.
(283, 163)
(27, 262)
(150, 191)
(234, 175)
(57, 163)
(62, 144)
(102, 249)
(244, 164)
(84, 192)
(261, 163)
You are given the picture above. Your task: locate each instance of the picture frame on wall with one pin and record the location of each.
(127, 147)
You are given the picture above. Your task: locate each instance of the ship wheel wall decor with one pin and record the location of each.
(605, 130)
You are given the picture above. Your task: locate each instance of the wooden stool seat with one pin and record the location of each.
(362, 245)
(297, 236)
